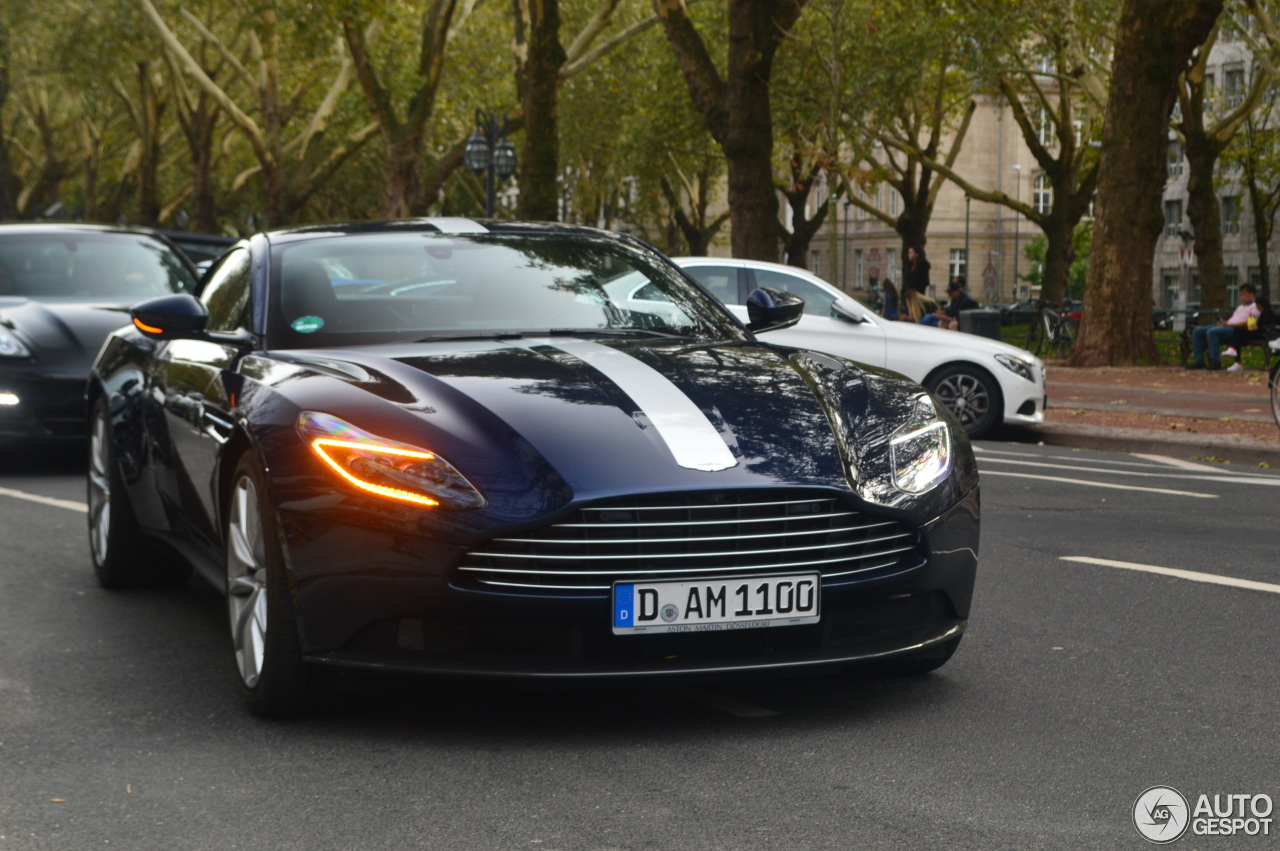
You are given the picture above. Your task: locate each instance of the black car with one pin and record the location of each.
(63, 289)
(442, 447)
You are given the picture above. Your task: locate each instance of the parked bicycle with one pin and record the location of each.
(1053, 331)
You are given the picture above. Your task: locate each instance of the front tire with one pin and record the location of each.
(274, 680)
(122, 556)
(972, 394)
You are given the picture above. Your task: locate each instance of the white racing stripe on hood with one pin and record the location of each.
(690, 436)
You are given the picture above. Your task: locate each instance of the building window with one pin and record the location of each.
(1231, 277)
(891, 263)
(862, 196)
(1042, 194)
(1233, 87)
(959, 264)
(1175, 159)
(817, 263)
(1230, 215)
(1172, 218)
(1045, 131)
(1209, 88)
(893, 202)
(857, 268)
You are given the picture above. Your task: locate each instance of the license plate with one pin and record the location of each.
(707, 605)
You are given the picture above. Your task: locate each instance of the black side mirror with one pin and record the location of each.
(171, 317)
(771, 309)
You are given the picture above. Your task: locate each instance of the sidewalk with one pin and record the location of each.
(1213, 416)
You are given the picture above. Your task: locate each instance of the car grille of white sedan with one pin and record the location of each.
(694, 535)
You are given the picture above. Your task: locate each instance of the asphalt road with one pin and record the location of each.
(1078, 686)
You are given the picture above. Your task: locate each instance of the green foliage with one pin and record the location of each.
(1035, 252)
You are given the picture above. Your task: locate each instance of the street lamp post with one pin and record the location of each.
(1017, 220)
(847, 205)
(967, 278)
(488, 151)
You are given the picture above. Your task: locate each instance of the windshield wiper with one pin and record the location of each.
(491, 335)
(614, 332)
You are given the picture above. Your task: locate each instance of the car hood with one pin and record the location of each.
(63, 330)
(538, 423)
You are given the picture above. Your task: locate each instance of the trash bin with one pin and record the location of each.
(984, 322)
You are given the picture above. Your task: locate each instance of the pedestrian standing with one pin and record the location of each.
(916, 274)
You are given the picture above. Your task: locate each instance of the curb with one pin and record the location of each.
(1240, 450)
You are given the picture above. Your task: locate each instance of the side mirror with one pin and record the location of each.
(170, 317)
(771, 309)
(847, 313)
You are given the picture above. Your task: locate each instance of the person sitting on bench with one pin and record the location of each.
(1212, 337)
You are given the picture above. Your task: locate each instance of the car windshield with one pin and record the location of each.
(109, 266)
(369, 288)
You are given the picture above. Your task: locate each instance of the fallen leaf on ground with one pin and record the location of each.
(1266, 465)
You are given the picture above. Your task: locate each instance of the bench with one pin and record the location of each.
(1270, 332)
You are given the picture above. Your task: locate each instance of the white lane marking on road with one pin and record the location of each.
(1179, 463)
(1211, 578)
(1076, 459)
(1089, 484)
(725, 704)
(46, 500)
(1272, 481)
(690, 436)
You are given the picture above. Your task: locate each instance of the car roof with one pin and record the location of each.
(33, 228)
(755, 264)
(441, 225)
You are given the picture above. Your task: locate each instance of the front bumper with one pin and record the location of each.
(402, 609)
(47, 405)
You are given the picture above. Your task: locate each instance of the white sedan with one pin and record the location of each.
(984, 382)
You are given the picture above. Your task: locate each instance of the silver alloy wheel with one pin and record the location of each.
(247, 580)
(967, 397)
(99, 489)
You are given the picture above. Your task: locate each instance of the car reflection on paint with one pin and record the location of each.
(516, 469)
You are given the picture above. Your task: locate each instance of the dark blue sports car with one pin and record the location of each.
(449, 447)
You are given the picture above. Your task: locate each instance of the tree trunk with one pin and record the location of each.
(1060, 251)
(737, 109)
(538, 79)
(1206, 224)
(201, 148)
(1154, 41)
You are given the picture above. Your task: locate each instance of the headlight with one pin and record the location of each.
(1022, 366)
(387, 468)
(920, 450)
(11, 346)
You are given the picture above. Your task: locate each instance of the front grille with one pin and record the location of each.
(694, 535)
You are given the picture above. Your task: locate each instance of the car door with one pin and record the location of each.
(190, 377)
(820, 329)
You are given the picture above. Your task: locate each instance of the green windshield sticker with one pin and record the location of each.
(307, 324)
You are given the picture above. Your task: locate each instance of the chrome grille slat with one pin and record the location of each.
(688, 555)
(703, 569)
(690, 539)
(804, 531)
(697, 507)
(796, 518)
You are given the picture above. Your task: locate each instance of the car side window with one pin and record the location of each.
(722, 281)
(226, 293)
(817, 301)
